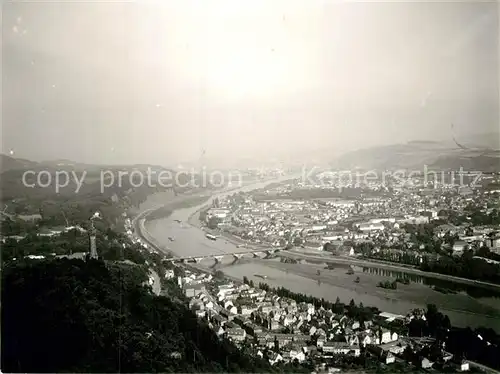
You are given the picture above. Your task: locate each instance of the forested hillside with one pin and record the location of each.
(76, 316)
(68, 194)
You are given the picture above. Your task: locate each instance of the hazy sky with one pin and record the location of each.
(158, 81)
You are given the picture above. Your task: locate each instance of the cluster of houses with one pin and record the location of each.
(312, 223)
(287, 329)
(46, 232)
(284, 330)
(309, 223)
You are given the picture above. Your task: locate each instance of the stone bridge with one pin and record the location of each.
(219, 256)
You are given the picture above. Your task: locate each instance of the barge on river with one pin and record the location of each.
(211, 237)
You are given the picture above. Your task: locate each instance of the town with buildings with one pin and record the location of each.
(284, 330)
(412, 223)
(382, 215)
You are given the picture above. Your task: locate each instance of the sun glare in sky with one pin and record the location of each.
(238, 52)
(249, 73)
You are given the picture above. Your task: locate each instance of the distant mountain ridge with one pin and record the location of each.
(11, 163)
(423, 142)
(85, 180)
(420, 153)
(8, 163)
(486, 139)
(296, 157)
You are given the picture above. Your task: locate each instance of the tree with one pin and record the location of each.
(328, 247)
(213, 222)
(219, 274)
(467, 255)
(216, 203)
(446, 322)
(203, 215)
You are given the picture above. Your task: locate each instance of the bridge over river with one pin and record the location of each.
(219, 256)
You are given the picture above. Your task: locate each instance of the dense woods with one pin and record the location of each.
(76, 316)
(110, 246)
(480, 345)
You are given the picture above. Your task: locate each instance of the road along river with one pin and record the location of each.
(182, 239)
(175, 234)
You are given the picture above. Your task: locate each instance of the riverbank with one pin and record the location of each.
(167, 209)
(328, 258)
(386, 266)
(194, 220)
(178, 205)
(463, 310)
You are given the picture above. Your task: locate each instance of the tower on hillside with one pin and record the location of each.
(92, 234)
(93, 245)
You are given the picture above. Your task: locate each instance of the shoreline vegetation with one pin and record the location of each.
(393, 285)
(388, 285)
(166, 210)
(444, 290)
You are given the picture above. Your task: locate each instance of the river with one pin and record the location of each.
(468, 307)
(463, 309)
(179, 237)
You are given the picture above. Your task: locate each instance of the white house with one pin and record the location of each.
(459, 246)
(341, 348)
(169, 274)
(370, 226)
(463, 366)
(297, 354)
(275, 358)
(388, 358)
(386, 336)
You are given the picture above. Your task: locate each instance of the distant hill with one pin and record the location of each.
(11, 163)
(391, 156)
(71, 204)
(92, 168)
(487, 139)
(423, 142)
(416, 154)
(487, 163)
(61, 162)
(13, 170)
(284, 159)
